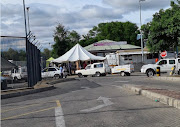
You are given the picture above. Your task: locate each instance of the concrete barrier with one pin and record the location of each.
(154, 96)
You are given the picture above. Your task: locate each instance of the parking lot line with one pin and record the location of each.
(7, 110)
(58, 103)
(11, 117)
(59, 116)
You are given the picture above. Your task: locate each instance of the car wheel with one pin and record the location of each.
(56, 76)
(98, 74)
(80, 75)
(122, 73)
(128, 74)
(15, 79)
(150, 72)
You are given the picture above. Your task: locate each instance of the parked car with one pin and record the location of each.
(3, 83)
(164, 64)
(50, 72)
(95, 69)
(123, 69)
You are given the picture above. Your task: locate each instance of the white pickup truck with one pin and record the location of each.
(19, 74)
(123, 69)
(164, 64)
(95, 69)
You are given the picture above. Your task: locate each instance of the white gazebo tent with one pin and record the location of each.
(77, 53)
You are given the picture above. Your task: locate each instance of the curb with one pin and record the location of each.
(27, 90)
(154, 96)
(175, 79)
(30, 91)
(59, 81)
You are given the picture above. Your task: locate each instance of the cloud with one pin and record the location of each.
(16, 44)
(75, 15)
(133, 5)
(93, 11)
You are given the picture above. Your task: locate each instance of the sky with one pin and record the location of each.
(78, 15)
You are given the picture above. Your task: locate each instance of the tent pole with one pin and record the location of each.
(77, 65)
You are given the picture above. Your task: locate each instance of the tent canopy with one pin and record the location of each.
(77, 53)
(50, 59)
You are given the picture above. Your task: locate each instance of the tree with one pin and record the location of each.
(116, 31)
(46, 53)
(64, 40)
(164, 29)
(15, 55)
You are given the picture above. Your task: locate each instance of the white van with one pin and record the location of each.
(164, 64)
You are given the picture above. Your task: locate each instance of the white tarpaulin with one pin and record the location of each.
(77, 53)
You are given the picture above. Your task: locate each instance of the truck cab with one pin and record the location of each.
(19, 74)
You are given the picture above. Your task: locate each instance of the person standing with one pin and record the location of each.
(65, 72)
(61, 71)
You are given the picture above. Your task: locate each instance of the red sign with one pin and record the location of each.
(163, 54)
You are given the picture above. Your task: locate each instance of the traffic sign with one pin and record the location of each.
(163, 54)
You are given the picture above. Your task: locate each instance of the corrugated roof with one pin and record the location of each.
(110, 45)
(6, 65)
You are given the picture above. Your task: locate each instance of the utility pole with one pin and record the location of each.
(141, 31)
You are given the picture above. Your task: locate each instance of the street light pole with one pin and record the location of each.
(141, 31)
(28, 18)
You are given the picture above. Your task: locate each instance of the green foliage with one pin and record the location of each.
(116, 31)
(15, 55)
(64, 40)
(46, 53)
(164, 30)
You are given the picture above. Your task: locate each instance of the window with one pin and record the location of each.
(171, 61)
(127, 57)
(51, 69)
(88, 67)
(98, 65)
(45, 70)
(178, 60)
(162, 62)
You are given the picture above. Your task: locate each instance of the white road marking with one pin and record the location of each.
(106, 102)
(59, 117)
(121, 81)
(83, 87)
(120, 87)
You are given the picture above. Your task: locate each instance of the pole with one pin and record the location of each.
(28, 17)
(27, 51)
(141, 32)
(25, 19)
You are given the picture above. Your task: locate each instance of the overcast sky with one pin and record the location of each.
(78, 15)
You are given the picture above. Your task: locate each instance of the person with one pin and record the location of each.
(65, 71)
(61, 71)
(84, 65)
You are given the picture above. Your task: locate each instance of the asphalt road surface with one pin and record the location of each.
(91, 102)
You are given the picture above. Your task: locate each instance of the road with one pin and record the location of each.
(91, 102)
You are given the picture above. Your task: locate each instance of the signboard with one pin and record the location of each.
(163, 54)
(110, 43)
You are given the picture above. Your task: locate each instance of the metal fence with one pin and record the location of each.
(24, 53)
(33, 64)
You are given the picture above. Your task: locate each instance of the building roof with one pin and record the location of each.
(110, 45)
(6, 65)
(134, 51)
